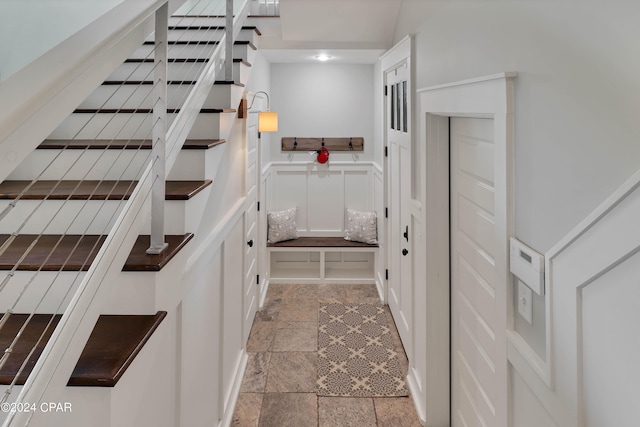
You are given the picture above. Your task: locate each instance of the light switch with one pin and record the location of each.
(525, 301)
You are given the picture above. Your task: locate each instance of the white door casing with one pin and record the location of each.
(489, 97)
(398, 171)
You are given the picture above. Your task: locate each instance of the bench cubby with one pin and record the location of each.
(322, 260)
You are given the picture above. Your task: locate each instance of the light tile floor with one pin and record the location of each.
(278, 389)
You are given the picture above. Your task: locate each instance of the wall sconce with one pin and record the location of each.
(267, 120)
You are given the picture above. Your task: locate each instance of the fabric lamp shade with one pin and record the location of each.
(268, 121)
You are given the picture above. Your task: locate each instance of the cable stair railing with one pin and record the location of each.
(138, 154)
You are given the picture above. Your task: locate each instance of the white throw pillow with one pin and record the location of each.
(362, 227)
(282, 225)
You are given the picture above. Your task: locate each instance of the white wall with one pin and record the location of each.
(576, 94)
(260, 80)
(316, 100)
(28, 28)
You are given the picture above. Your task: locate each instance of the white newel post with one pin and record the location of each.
(228, 50)
(159, 132)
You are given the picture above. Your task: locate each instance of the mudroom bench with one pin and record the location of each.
(322, 260)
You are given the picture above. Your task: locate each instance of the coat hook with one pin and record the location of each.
(351, 143)
(323, 141)
(295, 142)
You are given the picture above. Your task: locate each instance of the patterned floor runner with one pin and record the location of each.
(356, 356)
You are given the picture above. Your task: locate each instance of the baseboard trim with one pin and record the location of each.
(227, 417)
(415, 394)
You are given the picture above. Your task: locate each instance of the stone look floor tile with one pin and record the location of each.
(346, 412)
(270, 310)
(296, 336)
(395, 412)
(275, 291)
(299, 310)
(247, 413)
(261, 336)
(337, 292)
(289, 410)
(292, 372)
(300, 291)
(255, 375)
(278, 389)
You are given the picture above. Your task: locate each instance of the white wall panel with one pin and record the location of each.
(231, 345)
(611, 351)
(290, 191)
(355, 198)
(527, 409)
(326, 201)
(322, 194)
(200, 353)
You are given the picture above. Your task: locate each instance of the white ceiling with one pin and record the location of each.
(339, 56)
(351, 31)
(356, 21)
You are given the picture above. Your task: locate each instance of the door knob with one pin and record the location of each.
(406, 233)
(405, 252)
(250, 243)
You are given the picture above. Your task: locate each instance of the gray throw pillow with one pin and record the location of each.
(282, 225)
(362, 227)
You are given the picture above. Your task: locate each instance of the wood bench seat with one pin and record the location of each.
(320, 242)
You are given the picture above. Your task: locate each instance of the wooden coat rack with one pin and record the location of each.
(355, 143)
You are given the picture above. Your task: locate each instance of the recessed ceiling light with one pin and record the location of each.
(323, 57)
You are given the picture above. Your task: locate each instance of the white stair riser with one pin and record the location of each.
(199, 21)
(91, 216)
(82, 164)
(142, 96)
(195, 162)
(177, 71)
(43, 291)
(241, 72)
(135, 294)
(190, 51)
(244, 52)
(207, 35)
(109, 164)
(131, 126)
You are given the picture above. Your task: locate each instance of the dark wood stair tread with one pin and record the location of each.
(113, 344)
(75, 252)
(119, 144)
(94, 190)
(319, 242)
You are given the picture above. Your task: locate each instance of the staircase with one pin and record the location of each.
(62, 205)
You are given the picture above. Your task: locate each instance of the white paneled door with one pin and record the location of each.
(400, 292)
(478, 365)
(250, 296)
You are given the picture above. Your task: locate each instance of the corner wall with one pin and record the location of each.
(322, 100)
(576, 94)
